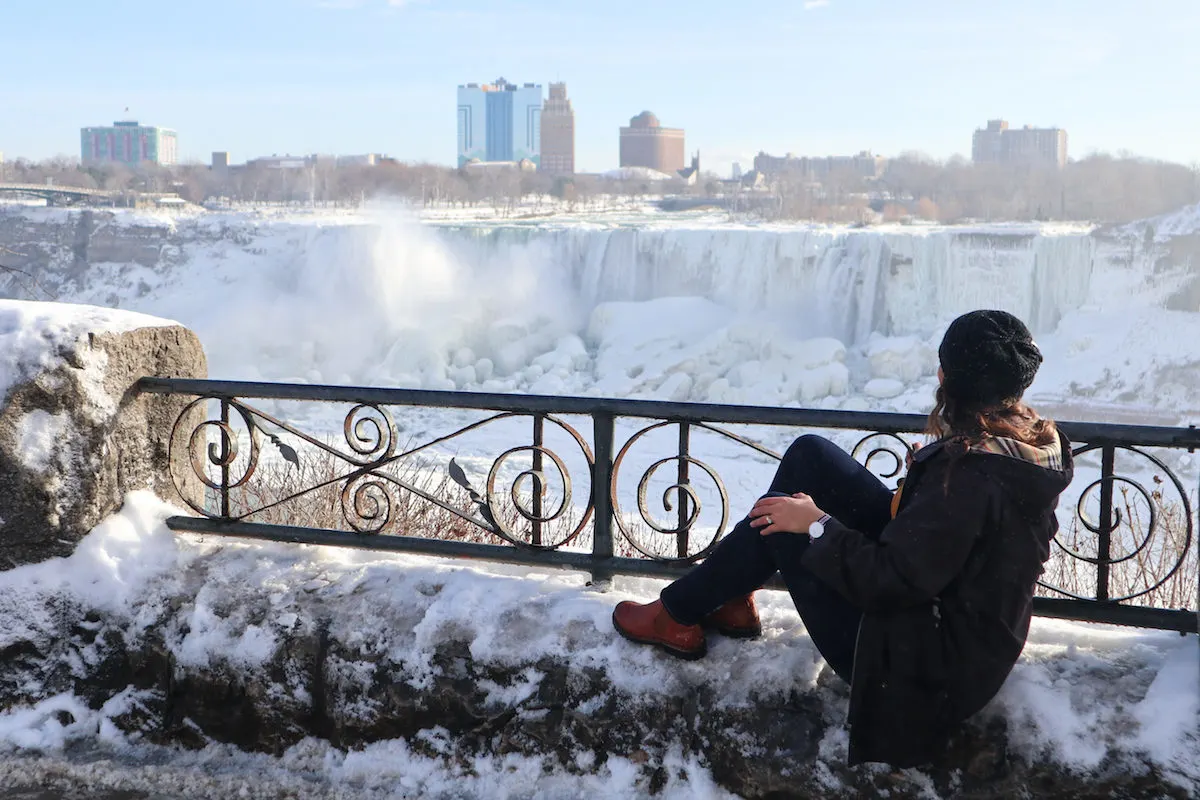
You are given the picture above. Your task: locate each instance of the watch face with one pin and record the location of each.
(816, 530)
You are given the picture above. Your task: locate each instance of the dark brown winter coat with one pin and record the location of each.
(946, 591)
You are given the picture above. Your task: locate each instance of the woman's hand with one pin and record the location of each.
(784, 514)
(911, 454)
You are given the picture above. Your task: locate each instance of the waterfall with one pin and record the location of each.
(845, 284)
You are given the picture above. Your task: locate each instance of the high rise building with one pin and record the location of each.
(499, 122)
(645, 143)
(129, 143)
(863, 165)
(558, 133)
(1019, 147)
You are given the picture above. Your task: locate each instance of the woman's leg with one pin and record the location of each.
(745, 559)
(837, 483)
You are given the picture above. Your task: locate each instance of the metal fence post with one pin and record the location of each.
(226, 444)
(539, 482)
(603, 426)
(1104, 536)
(681, 477)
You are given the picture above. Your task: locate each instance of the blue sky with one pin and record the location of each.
(825, 76)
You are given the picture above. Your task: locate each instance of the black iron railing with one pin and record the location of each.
(1131, 543)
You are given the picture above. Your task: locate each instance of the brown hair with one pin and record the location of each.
(1011, 419)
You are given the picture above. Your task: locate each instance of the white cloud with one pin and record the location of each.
(809, 5)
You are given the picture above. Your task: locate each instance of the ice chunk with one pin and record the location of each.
(883, 388)
(484, 369)
(677, 387)
(904, 358)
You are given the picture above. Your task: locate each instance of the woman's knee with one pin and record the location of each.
(809, 446)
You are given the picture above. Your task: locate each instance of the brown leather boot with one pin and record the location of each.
(737, 619)
(650, 623)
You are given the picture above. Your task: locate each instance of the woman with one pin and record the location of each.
(921, 601)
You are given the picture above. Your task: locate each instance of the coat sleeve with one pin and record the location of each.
(918, 553)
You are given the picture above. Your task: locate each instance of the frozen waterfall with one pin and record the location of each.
(845, 284)
(687, 310)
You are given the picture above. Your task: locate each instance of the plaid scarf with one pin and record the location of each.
(1048, 456)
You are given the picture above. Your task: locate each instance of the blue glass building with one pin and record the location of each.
(499, 122)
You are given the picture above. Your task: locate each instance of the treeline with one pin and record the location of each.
(328, 184)
(1099, 188)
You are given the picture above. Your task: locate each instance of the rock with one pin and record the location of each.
(74, 436)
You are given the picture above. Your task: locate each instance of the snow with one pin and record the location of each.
(34, 334)
(1061, 699)
(379, 299)
(40, 435)
(637, 174)
(630, 304)
(1184, 222)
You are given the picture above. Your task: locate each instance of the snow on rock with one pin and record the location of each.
(73, 439)
(438, 675)
(34, 335)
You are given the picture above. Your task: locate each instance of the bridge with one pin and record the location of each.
(55, 195)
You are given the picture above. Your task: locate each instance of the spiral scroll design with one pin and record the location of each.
(370, 432)
(540, 533)
(224, 454)
(367, 503)
(875, 446)
(684, 492)
(1132, 539)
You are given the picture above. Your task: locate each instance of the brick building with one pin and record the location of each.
(645, 143)
(558, 133)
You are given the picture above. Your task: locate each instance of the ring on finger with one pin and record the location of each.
(770, 521)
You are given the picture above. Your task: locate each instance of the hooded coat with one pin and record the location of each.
(946, 590)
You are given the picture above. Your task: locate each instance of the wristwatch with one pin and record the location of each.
(817, 529)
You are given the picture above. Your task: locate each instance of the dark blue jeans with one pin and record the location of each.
(745, 559)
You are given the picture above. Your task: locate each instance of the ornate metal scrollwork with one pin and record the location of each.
(367, 505)
(370, 433)
(869, 449)
(366, 484)
(1125, 498)
(685, 495)
(223, 454)
(497, 502)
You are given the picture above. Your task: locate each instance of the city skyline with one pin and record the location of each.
(818, 78)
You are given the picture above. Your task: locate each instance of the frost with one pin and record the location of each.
(42, 437)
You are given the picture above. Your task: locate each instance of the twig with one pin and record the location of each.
(17, 271)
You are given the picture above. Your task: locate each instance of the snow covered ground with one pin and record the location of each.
(1083, 695)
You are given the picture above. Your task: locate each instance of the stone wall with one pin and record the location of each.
(271, 648)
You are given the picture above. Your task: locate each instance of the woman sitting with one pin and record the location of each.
(921, 600)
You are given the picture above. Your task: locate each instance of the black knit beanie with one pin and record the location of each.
(988, 357)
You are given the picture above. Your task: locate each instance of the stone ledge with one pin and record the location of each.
(184, 641)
